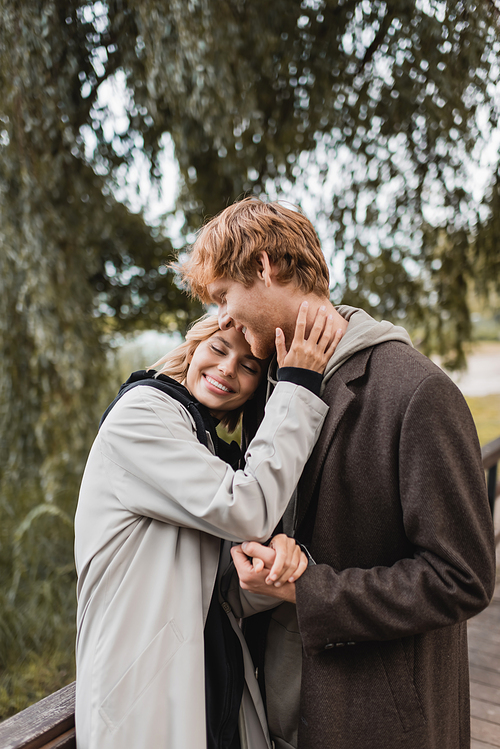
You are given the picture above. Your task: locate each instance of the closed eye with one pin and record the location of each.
(252, 370)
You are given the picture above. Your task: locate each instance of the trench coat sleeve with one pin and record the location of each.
(450, 575)
(160, 470)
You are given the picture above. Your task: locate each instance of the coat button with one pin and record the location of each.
(329, 645)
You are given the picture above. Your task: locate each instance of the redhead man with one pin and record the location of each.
(369, 648)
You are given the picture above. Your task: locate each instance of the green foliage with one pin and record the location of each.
(37, 606)
(380, 99)
(486, 256)
(37, 676)
(75, 267)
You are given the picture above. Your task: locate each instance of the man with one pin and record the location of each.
(369, 648)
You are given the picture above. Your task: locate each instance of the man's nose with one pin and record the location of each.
(225, 321)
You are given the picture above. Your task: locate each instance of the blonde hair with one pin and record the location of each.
(175, 364)
(230, 244)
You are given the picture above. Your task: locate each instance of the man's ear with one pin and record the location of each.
(265, 270)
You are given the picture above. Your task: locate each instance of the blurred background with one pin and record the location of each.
(124, 125)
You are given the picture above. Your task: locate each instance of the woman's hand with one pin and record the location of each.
(290, 562)
(255, 567)
(313, 352)
(282, 561)
(270, 570)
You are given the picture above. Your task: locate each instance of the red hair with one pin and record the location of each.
(229, 246)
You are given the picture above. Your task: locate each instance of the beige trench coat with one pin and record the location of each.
(153, 505)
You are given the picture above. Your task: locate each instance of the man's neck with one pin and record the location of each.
(315, 302)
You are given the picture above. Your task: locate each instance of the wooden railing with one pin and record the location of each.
(50, 723)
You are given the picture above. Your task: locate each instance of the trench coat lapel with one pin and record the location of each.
(338, 396)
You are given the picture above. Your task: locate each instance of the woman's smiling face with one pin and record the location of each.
(223, 374)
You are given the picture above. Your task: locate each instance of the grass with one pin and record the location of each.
(34, 678)
(486, 414)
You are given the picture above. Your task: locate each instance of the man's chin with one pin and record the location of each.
(262, 349)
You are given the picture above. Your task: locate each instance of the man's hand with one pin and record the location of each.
(270, 570)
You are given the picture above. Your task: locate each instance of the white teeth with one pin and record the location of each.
(217, 384)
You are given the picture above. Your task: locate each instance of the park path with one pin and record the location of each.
(484, 665)
(482, 376)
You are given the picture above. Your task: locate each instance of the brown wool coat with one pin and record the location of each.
(394, 509)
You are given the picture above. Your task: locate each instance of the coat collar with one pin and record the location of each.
(338, 396)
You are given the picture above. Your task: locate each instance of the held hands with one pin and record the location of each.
(271, 570)
(313, 352)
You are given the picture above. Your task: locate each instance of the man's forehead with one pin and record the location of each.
(222, 285)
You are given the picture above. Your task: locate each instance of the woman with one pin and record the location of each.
(154, 504)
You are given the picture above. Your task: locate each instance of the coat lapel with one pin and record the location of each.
(338, 396)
